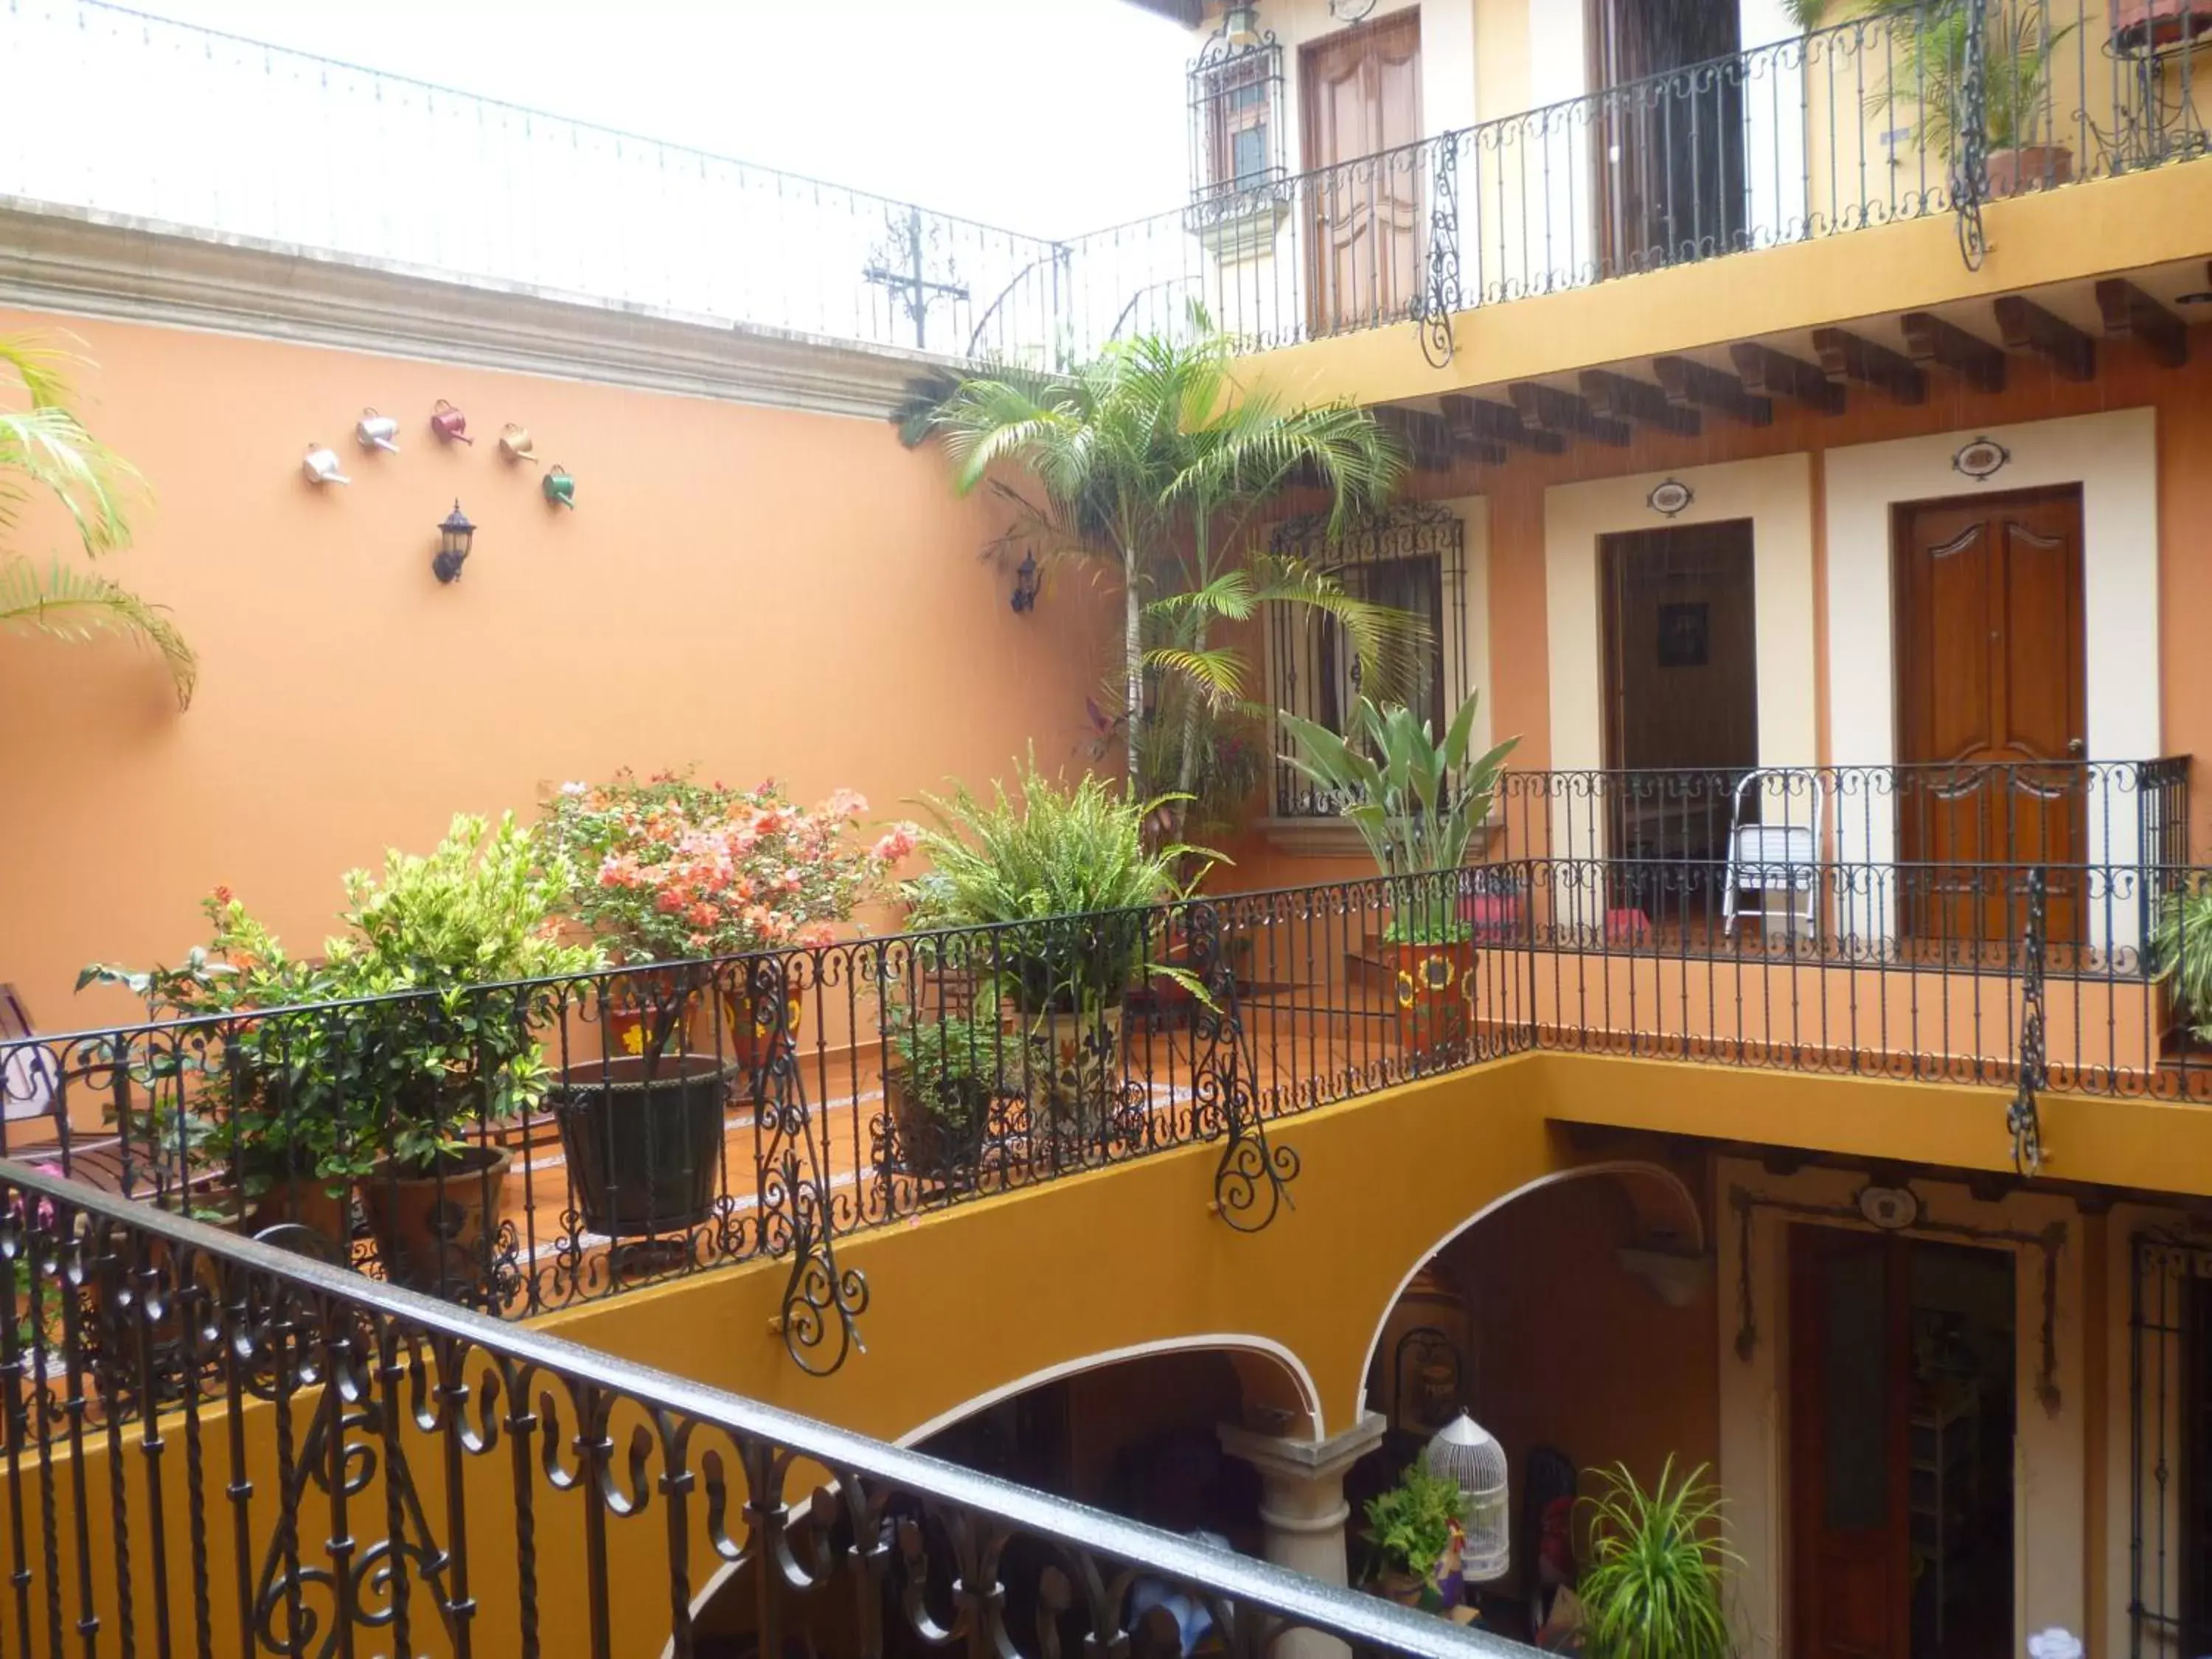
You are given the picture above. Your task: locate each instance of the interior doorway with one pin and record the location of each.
(1669, 154)
(1902, 1420)
(1991, 703)
(1680, 638)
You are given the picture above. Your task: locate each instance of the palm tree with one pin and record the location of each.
(1154, 459)
(46, 449)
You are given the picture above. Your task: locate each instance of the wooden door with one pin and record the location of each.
(1850, 1487)
(1991, 711)
(1360, 92)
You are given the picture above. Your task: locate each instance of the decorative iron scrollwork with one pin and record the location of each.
(2022, 1118)
(822, 1303)
(1970, 160)
(1251, 1183)
(1440, 299)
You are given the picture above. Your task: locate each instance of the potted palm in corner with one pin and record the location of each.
(1416, 802)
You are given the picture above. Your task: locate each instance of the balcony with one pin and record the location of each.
(1845, 129)
(213, 1445)
(1993, 927)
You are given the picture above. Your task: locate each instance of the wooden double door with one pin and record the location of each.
(1991, 714)
(1360, 92)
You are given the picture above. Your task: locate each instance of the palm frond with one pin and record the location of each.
(65, 603)
(1218, 674)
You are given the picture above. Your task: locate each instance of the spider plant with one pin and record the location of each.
(1653, 1586)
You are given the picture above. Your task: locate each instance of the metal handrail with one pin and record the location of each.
(678, 1404)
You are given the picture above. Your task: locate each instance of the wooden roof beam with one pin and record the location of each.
(1627, 399)
(2024, 326)
(1930, 339)
(1562, 411)
(1478, 420)
(1777, 374)
(2129, 311)
(1848, 356)
(1687, 381)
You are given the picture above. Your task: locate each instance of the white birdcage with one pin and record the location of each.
(1463, 1452)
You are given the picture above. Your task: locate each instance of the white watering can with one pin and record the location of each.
(321, 466)
(377, 431)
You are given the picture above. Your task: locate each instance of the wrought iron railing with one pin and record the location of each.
(212, 1445)
(263, 143)
(578, 1139)
(1874, 120)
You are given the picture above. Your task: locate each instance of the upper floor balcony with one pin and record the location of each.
(1885, 117)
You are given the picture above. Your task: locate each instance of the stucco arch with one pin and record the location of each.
(1662, 1202)
(1270, 1374)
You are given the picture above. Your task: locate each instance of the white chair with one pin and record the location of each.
(1771, 859)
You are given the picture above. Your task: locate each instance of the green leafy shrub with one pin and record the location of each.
(1410, 1525)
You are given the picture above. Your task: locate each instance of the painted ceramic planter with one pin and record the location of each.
(1433, 988)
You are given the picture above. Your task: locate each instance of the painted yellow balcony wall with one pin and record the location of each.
(2111, 225)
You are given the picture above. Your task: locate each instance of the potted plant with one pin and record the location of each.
(947, 1070)
(669, 875)
(2156, 24)
(1412, 1526)
(2181, 955)
(1652, 1589)
(267, 1099)
(453, 957)
(1062, 878)
(1416, 802)
(1927, 76)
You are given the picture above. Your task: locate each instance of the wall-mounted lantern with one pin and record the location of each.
(560, 489)
(455, 536)
(449, 424)
(1026, 584)
(377, 431)
(321, 466)
(515, 444)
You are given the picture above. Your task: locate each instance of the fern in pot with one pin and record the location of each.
(1063, 895)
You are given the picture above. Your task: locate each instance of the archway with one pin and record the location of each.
(1573, 1319)
(1132, 1430)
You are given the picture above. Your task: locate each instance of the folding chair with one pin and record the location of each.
(1774, 858)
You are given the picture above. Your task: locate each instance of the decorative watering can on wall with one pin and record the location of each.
(449, 424)
(515, 444)
(377, 431)
(561, 488)
(321, 466)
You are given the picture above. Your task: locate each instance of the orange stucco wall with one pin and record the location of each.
(759, 591)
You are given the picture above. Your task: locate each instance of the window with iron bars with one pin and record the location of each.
(1410, 557)
(1236, 120)
(2170, 1453)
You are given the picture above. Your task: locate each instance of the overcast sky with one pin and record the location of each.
(1052, 117)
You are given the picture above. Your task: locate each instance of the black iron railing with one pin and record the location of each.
(1874, 120)
(216, 1446)
(594, 1135)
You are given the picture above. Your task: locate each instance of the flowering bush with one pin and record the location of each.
(664, 869)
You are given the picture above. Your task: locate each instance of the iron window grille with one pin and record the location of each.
(1236, 97)
(1410, 557)
(2170, 1445)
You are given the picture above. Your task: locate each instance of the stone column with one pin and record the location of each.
(1302, 1508)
